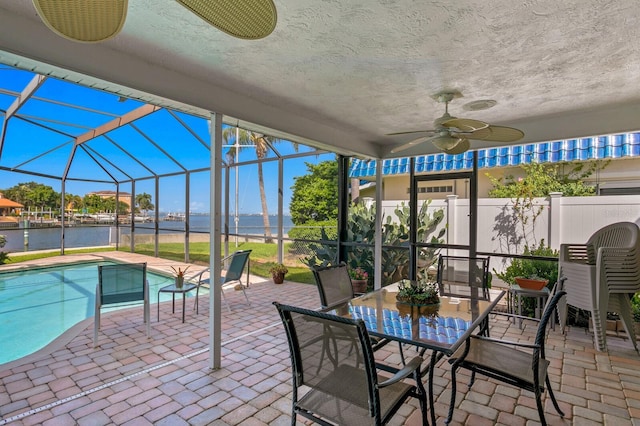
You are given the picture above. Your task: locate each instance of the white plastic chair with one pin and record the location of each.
(602, 276)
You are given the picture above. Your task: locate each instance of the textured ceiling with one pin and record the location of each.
(345, 73)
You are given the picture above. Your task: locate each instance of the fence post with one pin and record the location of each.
(555, 214)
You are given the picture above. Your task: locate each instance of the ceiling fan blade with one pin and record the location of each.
(459, 148)
(497, 134)
(87, 21)
(411, 132)
(446, 142)
(410, 144)
(247, 19)
(465, 124)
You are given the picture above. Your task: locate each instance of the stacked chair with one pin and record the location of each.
(602, 276)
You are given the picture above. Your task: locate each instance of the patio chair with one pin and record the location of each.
(520, 364)
(462, 271)
(334, 284)
(602, 276)
(237, 263)
(348, 390)
(472, 272)
(121, 284)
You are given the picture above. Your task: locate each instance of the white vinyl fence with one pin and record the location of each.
(561, 220)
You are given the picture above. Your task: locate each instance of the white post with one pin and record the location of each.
(215, 292)
(555, 210)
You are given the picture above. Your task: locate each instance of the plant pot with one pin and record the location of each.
(179, 282)
(359, 286)
(278, 278)
(531, 284)
(409, 308)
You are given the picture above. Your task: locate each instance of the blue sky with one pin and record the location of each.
(40, 139)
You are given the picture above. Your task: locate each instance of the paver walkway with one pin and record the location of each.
(166, 380)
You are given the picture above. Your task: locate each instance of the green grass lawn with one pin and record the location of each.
(24, 257)
(263, 257)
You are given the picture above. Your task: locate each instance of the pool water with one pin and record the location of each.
(38, 305)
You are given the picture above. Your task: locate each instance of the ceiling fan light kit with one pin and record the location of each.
(445, 143)
(452, 135)
(479, 105)
(92, 21)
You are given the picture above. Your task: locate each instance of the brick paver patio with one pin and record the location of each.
(165, 380)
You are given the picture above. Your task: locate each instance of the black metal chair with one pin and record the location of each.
(506, 361)
(334, 284)
(120, 284)
(462, 271)
(237, 263)
(348, 390)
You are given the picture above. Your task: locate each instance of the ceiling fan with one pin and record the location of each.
(451, 135)
(91, 21)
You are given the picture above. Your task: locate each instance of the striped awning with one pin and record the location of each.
(599, 147)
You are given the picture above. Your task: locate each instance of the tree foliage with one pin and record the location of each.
(261, 144)
(315, 195)
(541, 179)
(143, 201)
(515, 225)
(33, 195)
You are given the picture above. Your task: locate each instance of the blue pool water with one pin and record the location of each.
(38, 305)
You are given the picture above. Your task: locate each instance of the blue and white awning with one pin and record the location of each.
(599, 147)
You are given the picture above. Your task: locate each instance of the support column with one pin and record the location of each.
(187, 215)
(215, 295)
(377, 250)
(452, 207)
(280, 210)
(343, 206)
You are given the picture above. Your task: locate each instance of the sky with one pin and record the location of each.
(40, 139)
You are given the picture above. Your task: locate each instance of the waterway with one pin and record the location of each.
(37, 238)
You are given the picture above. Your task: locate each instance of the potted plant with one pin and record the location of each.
(278, 272)
(531, 282)
(418, 297)
(359, 280)
(179, 276)
(532, 269)
(418, 292)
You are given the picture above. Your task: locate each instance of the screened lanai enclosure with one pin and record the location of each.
(94, 147)
(88, 144)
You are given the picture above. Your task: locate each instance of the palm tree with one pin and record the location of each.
(261, 144)
(72, 201)
(143, 201)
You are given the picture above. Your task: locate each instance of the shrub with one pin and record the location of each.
(4, 256)
(526, 268)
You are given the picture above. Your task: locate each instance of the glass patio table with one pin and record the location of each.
(442, 328)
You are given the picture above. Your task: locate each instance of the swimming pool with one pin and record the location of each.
(38, 305)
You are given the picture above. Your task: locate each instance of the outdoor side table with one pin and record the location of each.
(186, 287)
(515, 299)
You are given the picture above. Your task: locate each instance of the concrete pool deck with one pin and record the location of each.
(165, 380)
